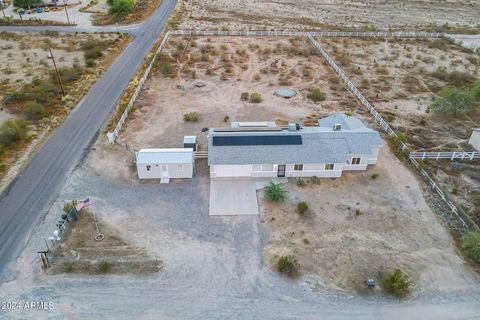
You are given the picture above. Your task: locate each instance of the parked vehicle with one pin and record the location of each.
(47, 9)
(39, 10)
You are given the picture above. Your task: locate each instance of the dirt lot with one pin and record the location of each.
(332, 15)
(80, 253)
(402, 78)
(24, 58)
(353, 232)
(143, 10)
(227, 67)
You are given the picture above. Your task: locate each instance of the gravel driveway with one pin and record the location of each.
(214, 266)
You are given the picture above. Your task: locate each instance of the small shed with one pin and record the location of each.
(475, 139)
(190, 142)
(165, 164)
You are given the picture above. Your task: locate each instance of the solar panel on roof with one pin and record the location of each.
(257, 140)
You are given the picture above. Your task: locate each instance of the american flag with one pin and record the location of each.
(83, 204)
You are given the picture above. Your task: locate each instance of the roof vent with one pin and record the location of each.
(293, 127)
(337, 127)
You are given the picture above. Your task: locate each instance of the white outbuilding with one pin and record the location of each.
(475, 139)
(165, 164)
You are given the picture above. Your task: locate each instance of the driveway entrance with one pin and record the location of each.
(233, 197)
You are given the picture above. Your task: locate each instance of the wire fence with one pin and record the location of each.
(445, 155)
(353, 89)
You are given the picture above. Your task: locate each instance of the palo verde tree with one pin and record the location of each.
(453, 101)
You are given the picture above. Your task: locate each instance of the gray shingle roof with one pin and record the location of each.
(319, 145)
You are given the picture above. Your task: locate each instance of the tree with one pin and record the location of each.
(471, 245)
(452, 101)
(120, 8)
(275, 192)
(25, 4)
(397, 283)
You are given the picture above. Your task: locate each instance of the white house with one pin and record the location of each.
(340, 143)
(165, 164)
(475, 139)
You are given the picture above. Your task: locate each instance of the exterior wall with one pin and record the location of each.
(173, 171)
(372, 159)
(475, 140)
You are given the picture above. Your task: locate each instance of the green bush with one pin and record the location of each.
(302, 207)
(33, 110)
(25, 4)
(120, 8)
(300, 182)
(67, 266)
(471, 245)
(476, 91)
(104, 266)
(288, 265)
(452, 101)
(460, 79)
(191, 116)
(2, 149)
(69, 206)
(255, 97)
(316, 95)
(93, 53)
(275, 192)
(397, 283)
(12, 131)
(244, 96)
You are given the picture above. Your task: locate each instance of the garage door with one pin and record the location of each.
(233, 197)
(233, 171)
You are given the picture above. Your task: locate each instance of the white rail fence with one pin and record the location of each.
(353, 89)
(112, 136)
(445, 155)
(304, 34)
(463, 41)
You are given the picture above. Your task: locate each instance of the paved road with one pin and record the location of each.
(24, 202)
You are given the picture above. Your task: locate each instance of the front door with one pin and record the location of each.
(164, 171)
(281, 170)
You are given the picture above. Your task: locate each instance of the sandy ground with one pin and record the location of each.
(355, 233)
(397, 77)
(328, 14)
(215, 267)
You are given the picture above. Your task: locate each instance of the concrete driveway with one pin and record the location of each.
(233, 197)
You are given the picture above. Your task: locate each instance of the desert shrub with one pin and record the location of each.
(69, 206)
(316, 180)
(302, 207)
(2, 149)
(402, 136)
(93, 54)
(226, 118)
(33, 110)
(300, 182)
(452, 101)
(476, 91)
(90, 63)
(70, 74)
(440, 44)
(244, 96)
(287, 265)
(358, 212)
(104, 266)
(316, 95)
(471, 245)
(397, 283)
(255, 97)
(12, 131)
(67, 266)
(120, 8)
(191, 117)
(374, 176)
(460, 79)
(275, 192)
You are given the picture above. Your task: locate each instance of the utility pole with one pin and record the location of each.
(56, 71)
(66, 12)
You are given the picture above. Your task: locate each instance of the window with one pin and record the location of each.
(267, 167)
(180, 167)
(329, 166)
(298, 167)
(337, 127)
(149, 167)
(356, 160)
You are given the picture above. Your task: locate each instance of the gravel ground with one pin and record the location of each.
(214, 267)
